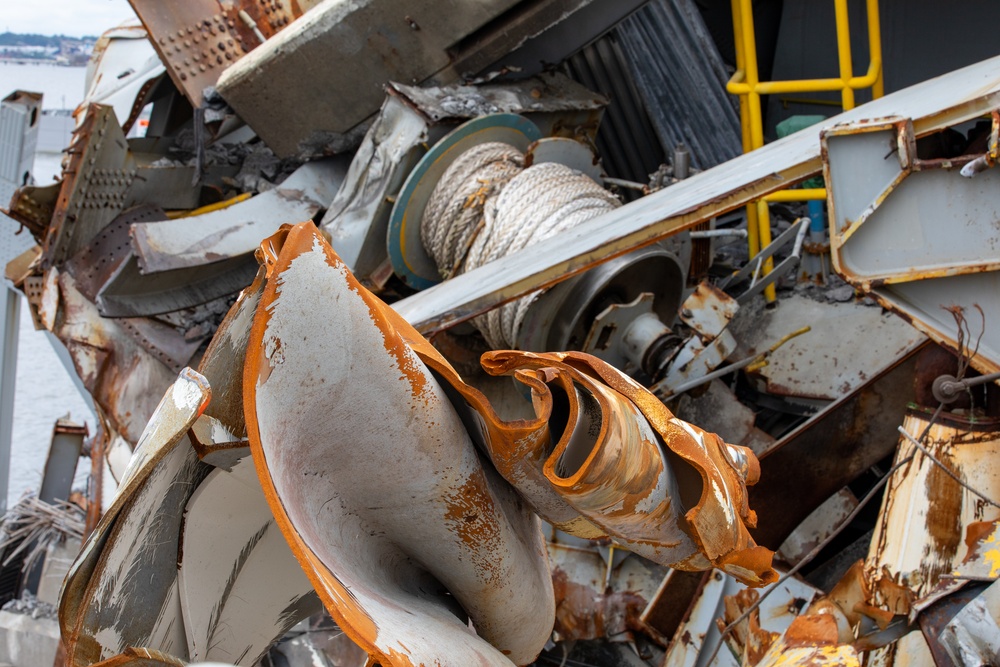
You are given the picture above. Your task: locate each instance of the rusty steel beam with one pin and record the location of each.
(946, 100)
(823, 455)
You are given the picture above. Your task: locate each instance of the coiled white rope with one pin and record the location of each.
(486, 206)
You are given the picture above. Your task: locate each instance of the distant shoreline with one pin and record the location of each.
(36, 61)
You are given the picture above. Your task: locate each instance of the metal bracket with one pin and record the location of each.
(915, 234)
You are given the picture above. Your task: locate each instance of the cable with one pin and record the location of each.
(487, 206)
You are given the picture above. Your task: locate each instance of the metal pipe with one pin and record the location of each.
(719, 233)
(745, 83)
(623, 183)
(802, 194)
(875, 49)
(682, 162)
(844, 53)
(9, 317)
(759, 359)
(947, 388)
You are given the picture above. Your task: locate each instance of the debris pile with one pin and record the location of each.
(396, 362)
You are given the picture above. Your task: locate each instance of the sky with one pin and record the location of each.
(74, 18)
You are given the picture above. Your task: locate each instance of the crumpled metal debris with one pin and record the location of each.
(270, 481)
(598, 469)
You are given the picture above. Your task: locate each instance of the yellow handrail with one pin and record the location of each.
(746, 83)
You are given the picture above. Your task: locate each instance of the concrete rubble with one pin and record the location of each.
(390, 370)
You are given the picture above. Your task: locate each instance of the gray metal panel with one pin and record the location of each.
(60, 466)
(626, 141)
(19, 115)
(325, 73)
(682, 80)
(667, 85)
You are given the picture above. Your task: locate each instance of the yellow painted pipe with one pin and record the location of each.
(746, 83)
(217, 206)
(802, 194)
(844, 52)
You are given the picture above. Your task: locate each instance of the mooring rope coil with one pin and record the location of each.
(453, 215)
(487, 206)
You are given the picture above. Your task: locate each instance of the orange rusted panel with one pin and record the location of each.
(710, 475)
(810, 641)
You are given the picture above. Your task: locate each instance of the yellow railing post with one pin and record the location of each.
(746, 83)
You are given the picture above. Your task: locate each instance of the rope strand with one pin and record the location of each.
(487, 206)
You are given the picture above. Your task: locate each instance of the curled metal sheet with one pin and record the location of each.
(374, 480)
(107, 605)
(240, 587)
(210, 577)
(702, 523)
(236, 230)
(122, 73)
(439, 516)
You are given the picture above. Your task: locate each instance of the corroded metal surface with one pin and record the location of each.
(102, 178)
(605, 473)
(887, 236)
(925, 513)
(267, 89)
(122, 374)
(198, 39)
(597, 599)
(826, 364)
(589, 477)
(450, 524)
(107, 606)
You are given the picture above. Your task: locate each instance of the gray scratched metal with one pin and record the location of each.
(940, 102)
(682, 80)
(920, 237)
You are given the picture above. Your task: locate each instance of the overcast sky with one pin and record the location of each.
(75, 18)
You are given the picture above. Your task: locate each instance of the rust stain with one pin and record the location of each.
(469, 516)
(585, 613)
(812, 630)
(944, 515)
(977, 536)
